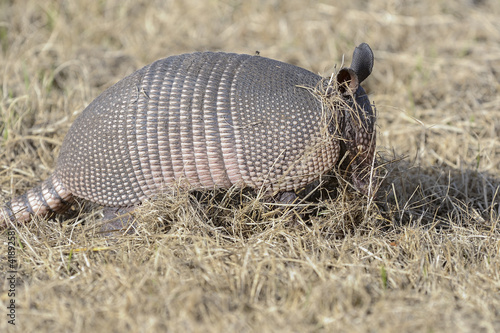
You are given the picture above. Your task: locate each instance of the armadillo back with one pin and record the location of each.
(204, 120)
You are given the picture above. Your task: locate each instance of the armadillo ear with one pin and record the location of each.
(362, 61)
(347, 81)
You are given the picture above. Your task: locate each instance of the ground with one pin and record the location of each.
(424, 255)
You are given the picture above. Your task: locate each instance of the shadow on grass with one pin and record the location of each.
(439, 196)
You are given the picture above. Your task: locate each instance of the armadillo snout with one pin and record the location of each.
(364, 165)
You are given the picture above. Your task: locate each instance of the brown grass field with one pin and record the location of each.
(423, 256)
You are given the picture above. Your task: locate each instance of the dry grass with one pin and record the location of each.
(424, 257)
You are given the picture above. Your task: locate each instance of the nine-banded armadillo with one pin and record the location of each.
(210, 120)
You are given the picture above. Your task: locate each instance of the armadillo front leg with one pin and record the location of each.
(48, 198)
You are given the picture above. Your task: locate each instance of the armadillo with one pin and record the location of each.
(210, 120)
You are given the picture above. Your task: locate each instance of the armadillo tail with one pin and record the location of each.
(46, 199)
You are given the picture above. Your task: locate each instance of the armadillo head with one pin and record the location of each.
(357, 125)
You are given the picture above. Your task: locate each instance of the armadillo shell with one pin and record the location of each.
(201, 120)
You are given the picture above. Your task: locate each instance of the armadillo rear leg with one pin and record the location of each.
(117, 220)
(45, 200)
